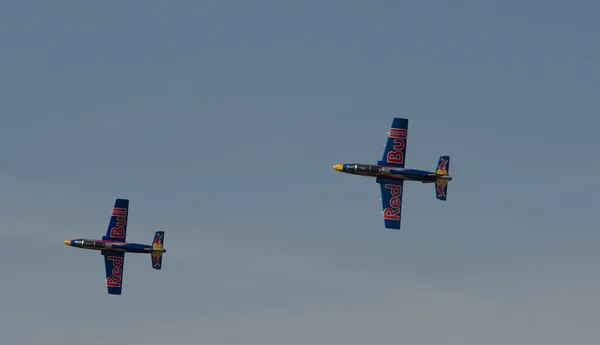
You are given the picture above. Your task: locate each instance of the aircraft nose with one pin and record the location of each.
(338, 167)
(67, 242)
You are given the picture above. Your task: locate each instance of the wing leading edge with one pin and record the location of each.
(391, 199)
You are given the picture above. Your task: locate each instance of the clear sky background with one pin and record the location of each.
(221, 120)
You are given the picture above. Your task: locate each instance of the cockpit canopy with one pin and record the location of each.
(363, 168)
(88, 244)
(84, 243)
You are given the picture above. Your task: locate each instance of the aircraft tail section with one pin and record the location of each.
(157, 260)
(443, 166)
(157, 243)
(159, 240)
(441, 184)
(441, 189)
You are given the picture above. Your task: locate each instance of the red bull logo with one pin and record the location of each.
(440, 189)
(158, 239)
(156, 260)
(117, 272)
(392, 212)
(397, 154)
(118, 231)
(442, 167)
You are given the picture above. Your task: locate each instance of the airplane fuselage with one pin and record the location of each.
(113, 246)
(392, 173)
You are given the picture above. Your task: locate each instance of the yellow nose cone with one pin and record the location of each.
(338, 167)
(67, 242)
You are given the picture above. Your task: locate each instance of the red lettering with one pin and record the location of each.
(113, 282)
(399, 133)
(121, 221)
(119, 212)
(398, 144)
(117, 260)
(117, 232)
(395, 202)
(392, 214)
(395, 157)
(395, 190)
(117, 272)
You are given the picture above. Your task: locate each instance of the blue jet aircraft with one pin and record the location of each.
(113, 247)
(391, 174)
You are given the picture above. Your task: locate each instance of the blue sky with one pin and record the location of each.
(221, 120)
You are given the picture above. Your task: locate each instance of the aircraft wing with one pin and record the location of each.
(391, 199)
(395, 147)
(117, 226)
(114, 262)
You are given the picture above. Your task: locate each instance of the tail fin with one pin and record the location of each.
(157, 243)
(159, 239)
(443, 166)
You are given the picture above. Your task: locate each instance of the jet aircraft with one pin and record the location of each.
(113, 246)
(391, 174)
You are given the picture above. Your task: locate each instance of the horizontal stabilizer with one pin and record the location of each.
(441, 189)
(157, 260)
